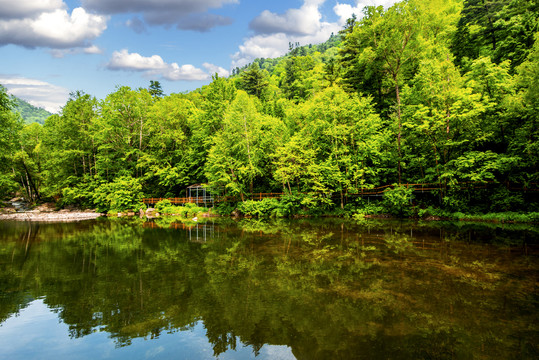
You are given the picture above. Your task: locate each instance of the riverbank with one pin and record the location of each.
(47, 212)
(51, 216)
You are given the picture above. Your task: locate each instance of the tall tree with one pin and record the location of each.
(240, 156)
(169, 160)
(121, 131)
(526, 107)
(155, 89)
(391, 39)
(10, 126)
(253, 80)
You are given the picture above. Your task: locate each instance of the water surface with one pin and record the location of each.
(296, 289)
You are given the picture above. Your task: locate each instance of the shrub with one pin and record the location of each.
(260, 208)
(162, 206)
(397, 201)
(165, 207)
(124, 193)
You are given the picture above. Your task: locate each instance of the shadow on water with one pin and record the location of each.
(327, 289)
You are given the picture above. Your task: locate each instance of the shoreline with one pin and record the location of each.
(60, 216)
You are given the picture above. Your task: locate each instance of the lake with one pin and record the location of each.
(282, 289)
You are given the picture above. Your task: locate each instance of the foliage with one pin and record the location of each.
(260, 208)
(189, 210)
(439, 93)
(397, 200)
(122, 194)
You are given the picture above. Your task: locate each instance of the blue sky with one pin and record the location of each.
(49, 48)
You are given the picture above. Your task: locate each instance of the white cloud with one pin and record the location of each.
(55, 29)
(212, 69)
(155, 66)
(302, 21)
(38, 93)
(273, 32)
(123, 60)
(303, 25)
(345, 11)
(185, 14)
(185, 72)
(92, 49)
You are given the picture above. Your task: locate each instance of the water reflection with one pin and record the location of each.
(297, 289)
(36, 334)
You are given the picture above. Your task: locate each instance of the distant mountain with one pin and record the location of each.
(29, 112)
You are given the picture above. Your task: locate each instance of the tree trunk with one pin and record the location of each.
(31, 183)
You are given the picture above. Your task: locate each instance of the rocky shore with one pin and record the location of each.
(46, 212)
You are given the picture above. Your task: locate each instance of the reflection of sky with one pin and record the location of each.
(38, 333)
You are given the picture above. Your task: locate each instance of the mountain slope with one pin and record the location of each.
(29, 112)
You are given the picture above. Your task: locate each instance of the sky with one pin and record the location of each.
(50, 48)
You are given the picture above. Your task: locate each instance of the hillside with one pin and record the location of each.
(29, 112)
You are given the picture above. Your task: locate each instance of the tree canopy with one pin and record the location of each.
(434, 92)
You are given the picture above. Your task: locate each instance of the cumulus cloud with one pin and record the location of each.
(214, 69)
(302, 21)
(185, 14)
(156, 66)
(345, 11)
(123, 60)
(275, 31)
(36, 92)
(185, 72)
(53, 28)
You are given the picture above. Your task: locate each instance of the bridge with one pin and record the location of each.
(205, 198)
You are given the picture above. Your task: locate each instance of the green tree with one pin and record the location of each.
(28, 160)
(240, 156)
(121, 131)
(253, 81)
(343, 142)
(10, 126)
(525, 106)
(155, 89)
(445, 114)
(169, 160)
(69, 144)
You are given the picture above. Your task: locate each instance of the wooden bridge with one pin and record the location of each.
(208, 199)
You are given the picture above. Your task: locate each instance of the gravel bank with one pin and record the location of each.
(61, 215)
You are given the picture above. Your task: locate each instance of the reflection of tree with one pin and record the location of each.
(328, 289)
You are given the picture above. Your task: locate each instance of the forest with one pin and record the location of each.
(439, 92)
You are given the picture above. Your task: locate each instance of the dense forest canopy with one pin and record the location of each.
(437, 92)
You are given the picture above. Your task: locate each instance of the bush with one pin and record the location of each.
(123, 194)
(225, 208)
(290, 205)
(162, 206)
(261, 208)
(398, 201)
(165, 207)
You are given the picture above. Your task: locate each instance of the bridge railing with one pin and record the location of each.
(375, 191)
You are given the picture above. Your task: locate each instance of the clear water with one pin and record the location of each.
(297, 289)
